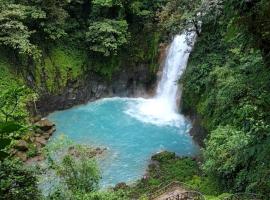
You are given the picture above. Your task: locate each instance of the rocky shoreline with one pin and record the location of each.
(90, 87)
(29, 148)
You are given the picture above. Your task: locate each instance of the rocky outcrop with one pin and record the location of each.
(197, 131)
(89, 152)
(30, 147)
(44, 125)
(21, 145)
(130, 82)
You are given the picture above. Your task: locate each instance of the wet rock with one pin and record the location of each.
(44, 125)
(22, 145)
(46, 136)
(41, 140)
(99, 151)
(92, 86)
(51, 131)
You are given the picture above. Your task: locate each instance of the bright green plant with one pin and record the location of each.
(17, 182)
(14, 30)
(11, 103)
(80, 174)
(107, 36)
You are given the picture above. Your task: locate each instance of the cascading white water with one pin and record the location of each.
(162, 109)
(175, 65)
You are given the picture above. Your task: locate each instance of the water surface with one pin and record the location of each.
(130, 137)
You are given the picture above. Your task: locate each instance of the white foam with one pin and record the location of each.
(154, 111)
(162, 109)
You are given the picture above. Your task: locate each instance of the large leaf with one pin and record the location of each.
(9, 127)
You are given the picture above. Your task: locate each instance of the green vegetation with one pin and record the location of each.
(49, 44)
(227, 84)
(166, 168)
(55, 42)
(61, 64)
(17, 181)
(107, 36)
(45, 45)
(73, 173)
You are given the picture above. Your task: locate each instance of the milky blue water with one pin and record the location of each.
(130, 141)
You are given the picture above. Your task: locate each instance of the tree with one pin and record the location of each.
(177, 15)
(54, 23)
(11, 103)
(224, 151)
(14, 31)
(80, 175)
(110, 9)
(17, 182)
(107, 36)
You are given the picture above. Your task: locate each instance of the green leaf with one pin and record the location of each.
(9, 127)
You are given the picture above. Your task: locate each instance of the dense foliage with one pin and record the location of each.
(17, 181)
(166, 168)
(52, 43)
(227, 84)
(73, 173)
(46, 44)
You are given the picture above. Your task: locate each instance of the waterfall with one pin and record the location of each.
(174, 67)
(162, 108)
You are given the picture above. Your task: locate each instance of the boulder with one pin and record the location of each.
(36, 118)
(51, 131)
(44, 124)
(41, 140)
(22, 145)
(46, 136)
(89, 152)
(99, 151)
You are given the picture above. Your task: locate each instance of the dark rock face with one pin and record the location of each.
(198, 132)
(126, 83)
